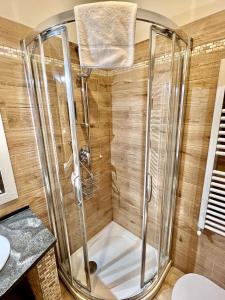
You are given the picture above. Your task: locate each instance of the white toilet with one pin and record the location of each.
(196, 287)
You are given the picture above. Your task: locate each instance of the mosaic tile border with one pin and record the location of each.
(11, 52)
(48, 277)
(43, 278)
(209, 47)
(202, 49)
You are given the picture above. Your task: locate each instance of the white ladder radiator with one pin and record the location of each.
(212, 211)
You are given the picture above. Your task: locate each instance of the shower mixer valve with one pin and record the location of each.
(84, 155)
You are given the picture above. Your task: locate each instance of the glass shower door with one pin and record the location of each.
(161, 145)
(48, 69)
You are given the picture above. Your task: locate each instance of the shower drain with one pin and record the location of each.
(93, 266)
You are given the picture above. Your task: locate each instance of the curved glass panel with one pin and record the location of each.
(111, 206)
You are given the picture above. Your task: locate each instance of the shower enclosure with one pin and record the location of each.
(109, 143)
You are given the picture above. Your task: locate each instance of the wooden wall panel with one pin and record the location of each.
(204, 254)
(15, 110)
(12, 32)
(129, 90)
(208, 29)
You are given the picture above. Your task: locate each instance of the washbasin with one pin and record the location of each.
(4, 251)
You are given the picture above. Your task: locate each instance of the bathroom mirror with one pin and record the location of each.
(8, 189)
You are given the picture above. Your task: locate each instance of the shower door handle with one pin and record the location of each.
(149, 188)
(76, 183)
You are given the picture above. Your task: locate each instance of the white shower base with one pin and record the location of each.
(117, 253)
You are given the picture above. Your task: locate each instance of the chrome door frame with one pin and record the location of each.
(168, 182)
(147, 175)
(142, 15)
(46, 161)
(182, 100)
(76, 176)
(40, 137)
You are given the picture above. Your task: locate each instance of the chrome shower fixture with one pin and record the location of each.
(84, 72)
(88, 180)
(87, 177)
(84, 155)
(83, 76)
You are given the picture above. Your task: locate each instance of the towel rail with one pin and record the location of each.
(216, 220)
(218, 203)
(220, 146)
(215, 230)
(220, 153)
(212, 211)
(222, 186)
(217, 197)
(219, 172)
(217, 191)
(216, 178)
(215, 214)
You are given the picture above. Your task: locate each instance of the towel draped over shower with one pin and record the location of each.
(106, 34)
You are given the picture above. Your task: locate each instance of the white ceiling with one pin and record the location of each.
(33, 12)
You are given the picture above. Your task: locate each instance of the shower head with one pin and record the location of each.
(85, 72)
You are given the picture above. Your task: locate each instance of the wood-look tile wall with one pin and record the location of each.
(127, 147)
(15, 110)
(204, 254)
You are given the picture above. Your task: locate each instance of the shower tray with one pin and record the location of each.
(117, 253)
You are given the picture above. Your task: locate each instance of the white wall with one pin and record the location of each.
(33, 12)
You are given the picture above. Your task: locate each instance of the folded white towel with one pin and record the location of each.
(106, 34)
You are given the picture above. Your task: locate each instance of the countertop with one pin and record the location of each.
(29, 240)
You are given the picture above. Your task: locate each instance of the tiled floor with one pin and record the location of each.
(166, 290)
(164, 293)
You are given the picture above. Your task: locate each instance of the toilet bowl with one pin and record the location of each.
(196, 287)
